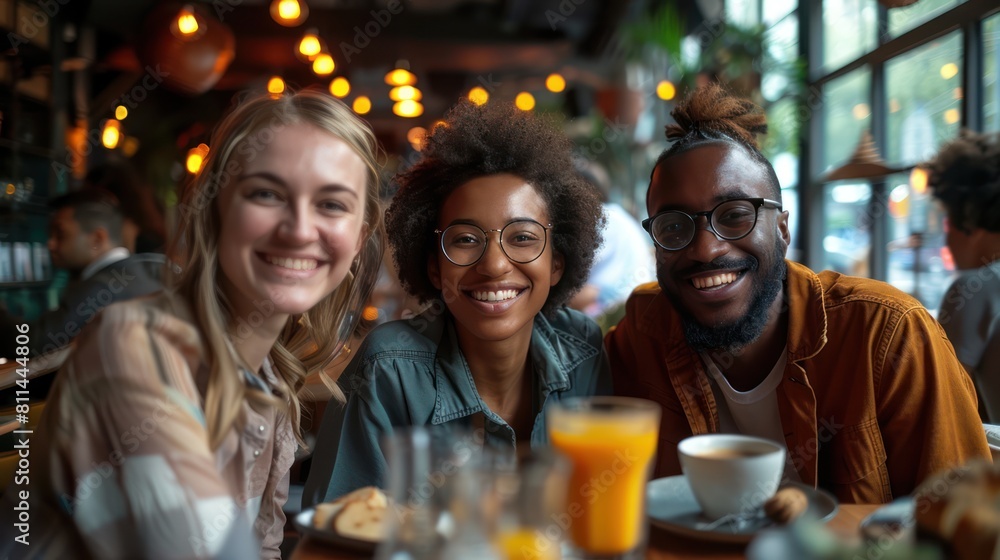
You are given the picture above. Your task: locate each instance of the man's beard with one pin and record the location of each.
(733, 337)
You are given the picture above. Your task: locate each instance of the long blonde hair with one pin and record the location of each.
(308, 342)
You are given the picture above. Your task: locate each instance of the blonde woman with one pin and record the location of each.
(172, 427)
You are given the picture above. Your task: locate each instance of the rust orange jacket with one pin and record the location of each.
(872, 400)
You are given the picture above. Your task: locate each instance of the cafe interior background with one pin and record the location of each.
(857, 93)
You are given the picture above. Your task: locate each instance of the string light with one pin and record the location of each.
(402, 93)
(323, 64)
(555, 83)
(111, 134)
(290, 13)
(362, 105)
(478, 96)
(196, 158)
(666, 90)
(400, 77)
(309, 45)
(408, 108)
(121, 112)
(524, 101)
(186, 25)
(276, 86)
(340, 87)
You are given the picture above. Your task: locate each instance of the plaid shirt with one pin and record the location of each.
(121, 463)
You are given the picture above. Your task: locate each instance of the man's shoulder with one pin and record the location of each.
(840, 290)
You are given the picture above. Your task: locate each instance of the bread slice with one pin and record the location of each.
(360, 520)
(323, 516)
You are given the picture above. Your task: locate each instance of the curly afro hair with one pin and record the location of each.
(965, 176)
(712, 114)
(482, 140)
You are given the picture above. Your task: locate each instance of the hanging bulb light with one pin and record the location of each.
(478, 96)
(408, 108)
(275, 86)
(186, 25)
(195, 158)
(555, 83)
(323, 64)
(525, 101)
(400, 77)
(121, 112)
(402, 93)
(309, 45)
(290, 13)
(362, 105)
(340, 87)
(111, 134)
(416, 136)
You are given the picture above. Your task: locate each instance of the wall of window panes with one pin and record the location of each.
(898, 74)
(781, 86)
(991, 73)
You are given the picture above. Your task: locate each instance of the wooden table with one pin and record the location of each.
(662, 545)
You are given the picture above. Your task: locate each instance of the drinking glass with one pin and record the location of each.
(441, 485)
(610, 442)
(533, 499)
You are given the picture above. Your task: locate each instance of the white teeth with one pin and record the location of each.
(501, 295)
(294, 264)
(712, 281)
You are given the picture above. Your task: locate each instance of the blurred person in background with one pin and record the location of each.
(965, 178)
(624, 260)
(144, 228)
(85, 238)
(172, 426)
(496, 231)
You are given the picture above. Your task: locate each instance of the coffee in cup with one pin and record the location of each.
(731, 474)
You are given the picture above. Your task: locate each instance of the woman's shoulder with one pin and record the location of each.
(572, 322)
(420, 334)
(131, 338)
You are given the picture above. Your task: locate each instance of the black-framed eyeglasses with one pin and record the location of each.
(732, 219)
(521, 240)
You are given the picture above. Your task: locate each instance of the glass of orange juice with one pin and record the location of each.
(610, 442)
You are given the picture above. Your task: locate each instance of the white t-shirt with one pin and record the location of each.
(754, 412)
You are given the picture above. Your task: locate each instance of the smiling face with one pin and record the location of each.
(291, 222)
(495, 298)
(724, 290)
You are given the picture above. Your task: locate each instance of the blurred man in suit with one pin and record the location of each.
(85, 238)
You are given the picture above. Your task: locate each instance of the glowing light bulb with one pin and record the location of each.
(665, 90)
(555, 83)
(918, 180)
(478, 96)
(340, 87)
(121, 112)
(187, 23)
(949, 71)
(275, 86)
(362, 105)
(196, 158)
(524, 101)
(402, 93)
(416, 137)
(111, 134)
(323, 64)
(408, 108)
(289, 13)
(309, 45)
(400, 77)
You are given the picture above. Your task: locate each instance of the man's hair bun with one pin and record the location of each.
(712, 108)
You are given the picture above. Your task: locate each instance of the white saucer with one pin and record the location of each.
(671, 505)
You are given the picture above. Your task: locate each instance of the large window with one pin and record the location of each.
(846, 238)
(924, 98)
(846, 113)
(905, 18)
(991, 73)
(919, 261)
(849, 30)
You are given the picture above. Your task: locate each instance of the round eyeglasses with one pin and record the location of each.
(521, 240)
(733, 219)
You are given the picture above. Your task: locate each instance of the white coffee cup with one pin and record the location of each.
(731, 474)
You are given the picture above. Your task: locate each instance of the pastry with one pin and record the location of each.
(962, 508)
(786, 505)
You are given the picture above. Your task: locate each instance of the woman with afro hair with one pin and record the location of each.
(494, 231)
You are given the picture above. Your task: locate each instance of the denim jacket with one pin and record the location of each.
(872, 399)
(412, 373)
